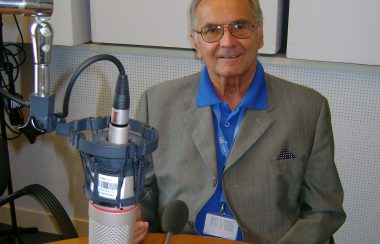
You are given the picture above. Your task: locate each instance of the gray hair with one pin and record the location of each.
(256, 12)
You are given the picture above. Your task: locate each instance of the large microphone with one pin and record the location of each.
(174, 218)
(115, 224)
(114, 159)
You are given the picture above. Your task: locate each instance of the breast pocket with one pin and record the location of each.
(292, 167)
(287, 178)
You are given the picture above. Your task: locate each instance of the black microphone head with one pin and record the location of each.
(174, 216)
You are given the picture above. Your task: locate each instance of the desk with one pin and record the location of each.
(159, 238)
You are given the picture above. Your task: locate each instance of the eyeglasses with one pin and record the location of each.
(238, 29)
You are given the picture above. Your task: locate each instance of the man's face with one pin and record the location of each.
(229, 57)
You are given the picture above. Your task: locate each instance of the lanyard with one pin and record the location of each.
(225, 148)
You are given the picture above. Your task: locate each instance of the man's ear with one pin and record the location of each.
(194, 45)
(261, 37)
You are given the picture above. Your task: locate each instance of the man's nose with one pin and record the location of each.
(227, 38)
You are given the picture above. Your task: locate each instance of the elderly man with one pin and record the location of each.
(242, 148)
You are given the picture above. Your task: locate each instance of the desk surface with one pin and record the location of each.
(158, 238)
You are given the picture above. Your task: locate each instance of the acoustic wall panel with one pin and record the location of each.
(164, 23)
(337, 31)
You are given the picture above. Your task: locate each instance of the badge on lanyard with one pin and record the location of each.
(221, 225)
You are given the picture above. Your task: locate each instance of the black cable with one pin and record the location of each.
(12, 130)
(14, 98)
(13, 56)
(78, 71)
(10, 65)
(19, 30)
(15, 64)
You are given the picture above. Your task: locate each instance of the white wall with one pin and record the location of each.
(164, 23)
(338, 31)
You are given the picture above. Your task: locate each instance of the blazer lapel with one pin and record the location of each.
(253, 126)
(199, 122)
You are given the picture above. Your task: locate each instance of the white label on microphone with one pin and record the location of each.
(107, 186)
(220, 226)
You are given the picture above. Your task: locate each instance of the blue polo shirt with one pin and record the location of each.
(226, 125)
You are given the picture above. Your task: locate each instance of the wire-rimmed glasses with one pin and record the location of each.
(239, 29)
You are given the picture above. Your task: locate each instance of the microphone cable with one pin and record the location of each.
(12, 57)
(78, 71)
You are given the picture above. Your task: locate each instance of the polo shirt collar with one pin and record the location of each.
(255, 98)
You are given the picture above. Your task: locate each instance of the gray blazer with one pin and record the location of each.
(276, 198)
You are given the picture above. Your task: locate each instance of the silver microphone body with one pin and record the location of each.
(111, 225)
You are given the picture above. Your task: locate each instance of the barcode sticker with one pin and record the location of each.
(107, 186)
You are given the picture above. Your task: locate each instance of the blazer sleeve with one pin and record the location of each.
(149, 203)
(321, 194)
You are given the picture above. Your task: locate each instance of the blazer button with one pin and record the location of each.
(244, 229)
(215, 182)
